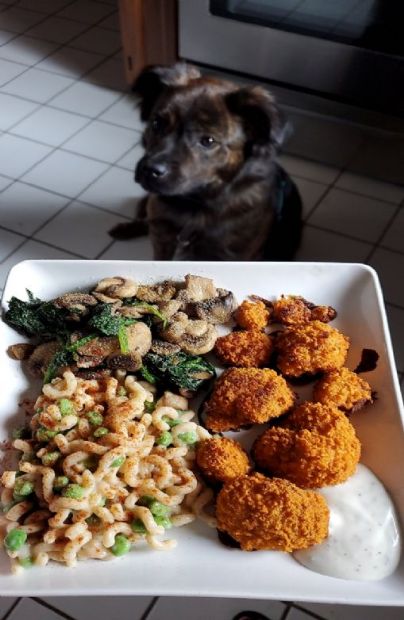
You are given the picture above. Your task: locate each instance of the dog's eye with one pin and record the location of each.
(157, 123)
(207, 142)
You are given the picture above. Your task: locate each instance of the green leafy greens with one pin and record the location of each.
(37, 318)
(178, 369)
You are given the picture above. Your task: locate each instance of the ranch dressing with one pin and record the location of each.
(364, 538)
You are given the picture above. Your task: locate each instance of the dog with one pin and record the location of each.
(215, 189)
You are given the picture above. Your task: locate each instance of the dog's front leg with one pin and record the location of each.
(139, 227)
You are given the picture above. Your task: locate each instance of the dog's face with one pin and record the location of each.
(201, 131)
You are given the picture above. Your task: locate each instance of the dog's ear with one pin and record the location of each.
(155, 79)
(263, 122)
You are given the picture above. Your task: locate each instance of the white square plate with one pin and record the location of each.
(200, 565)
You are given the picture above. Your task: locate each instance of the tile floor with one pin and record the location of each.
(69, 138)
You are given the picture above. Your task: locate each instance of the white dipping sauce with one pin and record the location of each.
(364, 537)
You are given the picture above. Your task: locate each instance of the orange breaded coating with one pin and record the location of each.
(252, 315)
(246, 349)
(264, 513)
(311, 348)
(221, 459)
(316, 446)
(243, 396)
(295, 310)
(344, 389)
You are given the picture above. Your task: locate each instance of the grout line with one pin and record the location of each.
(394, 305)
(286, 611)
(149, 609)
(51, 607)
(11, 609)
(310, 613)
(379, 241)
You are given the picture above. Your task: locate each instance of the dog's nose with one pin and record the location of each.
(156, 170)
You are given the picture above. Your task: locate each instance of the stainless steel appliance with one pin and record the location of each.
(349, 50)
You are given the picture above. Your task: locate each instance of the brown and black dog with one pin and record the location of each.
(215, 189)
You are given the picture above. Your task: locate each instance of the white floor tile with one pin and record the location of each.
(310, 192)
(124, 112)
(102, 141)
(110, 74)
(86, 11)
(27, 608)
(65, 173)
(111, 22)
(84, 98)
(394, 237)
(9, 70)
(37, 85)
(389, 266)
(307, 169)
(352, 214)
(13, 109)
(116, 191)
(24, 208)
(57, 29)
(8, 242)
(5, 604)
(212, 608)
(131, 158)
(5, 36)
(396, 324)
(371, 187)
(19, 20)
(80, 229)
(132, 249)
(102, 608)
(44, 6)
(70, 62)
(18, 155)
(26, 50)
(98, 40)
(30, 250)
(49, 125)
(4, 181)
(320, 245)
(350, 612)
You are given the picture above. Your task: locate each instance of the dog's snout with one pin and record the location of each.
(156, 169)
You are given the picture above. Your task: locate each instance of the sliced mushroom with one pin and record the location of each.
(41, 357)
(77, 303)
(126, 361)
(20, 351)
(217, 310)
(98, 347)
(168, 308)
(157, 292)
(194, 337)
(164, 348)
(109, 290)
(139, 338)
(197, 288)
(85, 373)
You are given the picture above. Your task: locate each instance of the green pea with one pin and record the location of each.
(15, 539)
(39, 410)
(164, 439)
(66, 407)
(149, 407)
(102, 501)
(121, 391)
(138, 526)
(44, 434)
(50, 458)
(118, 462)
(73, 491)
(121, 545)
(188, 438)
(25, 562)
(164, 522)
(170, 421)
(101, 431)
(60, 482)
(95, 418)
(158, 509)
(22, 488)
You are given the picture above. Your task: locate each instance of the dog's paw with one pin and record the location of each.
(130, 230)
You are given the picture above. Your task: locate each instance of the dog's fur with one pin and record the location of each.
(216, 191)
